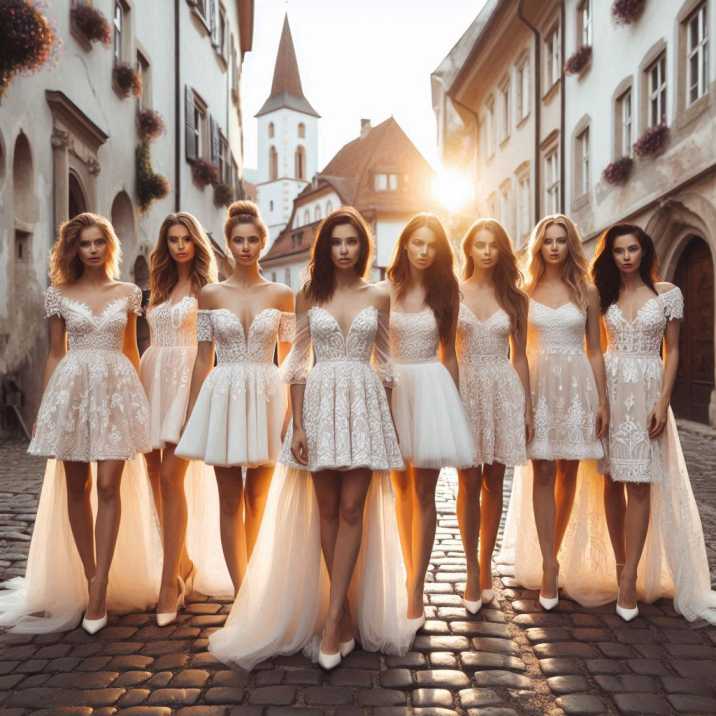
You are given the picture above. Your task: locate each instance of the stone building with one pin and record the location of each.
(67, 144)
(550, 95)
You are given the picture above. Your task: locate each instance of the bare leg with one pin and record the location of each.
(109, 513)
(565, 490)
(79, 509)
(173, 472)
(404, 514)
(258, 481)
(615, 510)
(468, 519)
(231, 492)
(490, 514)
(544, 509)
(154, 470)
(424, 522)
(636, 525)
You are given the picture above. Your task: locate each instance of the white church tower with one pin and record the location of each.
(288, 140)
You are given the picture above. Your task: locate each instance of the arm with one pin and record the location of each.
(596, 360)
(518, 351)
(286, 334)
(448, 357)
(381, 349)
(58, 348)
(205, 352)
(129, 345)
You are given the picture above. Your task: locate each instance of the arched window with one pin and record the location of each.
(329, 207)
(306, 217)
(271, 130)
(273, 163)
(122, 214)
(300, 163)
(301, 130)
(317, 214)
(23, 180)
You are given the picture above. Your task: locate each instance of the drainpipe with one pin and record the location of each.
(562, 107)
(538, 106)
(177, 109)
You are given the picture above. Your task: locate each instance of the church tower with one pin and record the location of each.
(287, 141)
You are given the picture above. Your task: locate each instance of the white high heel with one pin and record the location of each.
(166, 618)
(549, 603)
(416, 623)
(92, 626)
(329, 661)
(472, 606)
(346, 647)
(626, 613)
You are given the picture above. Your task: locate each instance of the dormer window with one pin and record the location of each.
(385, 182)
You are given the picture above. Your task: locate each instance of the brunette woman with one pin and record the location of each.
(492, 324)
(429, 416)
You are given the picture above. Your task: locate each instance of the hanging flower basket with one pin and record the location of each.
(91, 23)
(223, 194)
(150, 185)
(27, 41)
(204, 173)
(127, 80)
(627, 11)
(579, 60)
(617, 172)
(652, 141)
(150, 124)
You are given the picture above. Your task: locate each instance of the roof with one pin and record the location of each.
(286, 89)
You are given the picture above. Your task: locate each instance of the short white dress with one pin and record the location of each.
(430, 418)
(491, 390)
(238, 415)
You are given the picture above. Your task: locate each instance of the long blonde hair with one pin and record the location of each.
(163, 274)
(65, 264)
(575, 269)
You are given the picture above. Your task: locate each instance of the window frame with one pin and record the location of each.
(700, 51)
(657, 94)
(522, 87)
(523, 196)
(584, 24)
(118, 31)
(378, 181)
(505, 109)
(553, 56)
(582, 174)
(551, 188)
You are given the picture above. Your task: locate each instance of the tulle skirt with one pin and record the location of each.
(430, 419)
(53, 594)
(283, 598)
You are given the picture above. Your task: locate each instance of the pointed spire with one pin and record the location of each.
(286, 90)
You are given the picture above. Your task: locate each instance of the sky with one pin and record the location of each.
(357, 58)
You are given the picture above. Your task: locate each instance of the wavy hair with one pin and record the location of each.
(321, 270)
(506, 274)
(575, 269)
(65, 264)
(163, 273)
(604, 270)
(244, 212)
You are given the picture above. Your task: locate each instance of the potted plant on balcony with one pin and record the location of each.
(223, 194)
(652, 141)
(126, 80)
(204, 173)
(627, 11)
(150, 124)
(618, 171)
(578, 60)
(93, 25)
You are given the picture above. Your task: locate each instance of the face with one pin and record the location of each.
(484, 250)
(92, 247)
(181, 244)
(554, 248)
(245, 244)
(345, 246)
(421, 248)
(627, 252)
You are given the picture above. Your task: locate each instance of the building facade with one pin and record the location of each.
(69, 139)
(620, 126)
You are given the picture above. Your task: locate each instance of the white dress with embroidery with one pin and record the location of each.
(491, 389)
(239, 412)
(430, 419)
(281, 605)
(94, 408)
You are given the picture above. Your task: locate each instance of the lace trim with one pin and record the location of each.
(53, 302)
(204, 328)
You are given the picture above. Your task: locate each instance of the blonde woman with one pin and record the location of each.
(93, 410)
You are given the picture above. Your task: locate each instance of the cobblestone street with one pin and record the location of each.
(512, 658)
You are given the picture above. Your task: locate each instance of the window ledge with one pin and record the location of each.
(579, 202)
(689, 114)
(523, 121)
(551, 92)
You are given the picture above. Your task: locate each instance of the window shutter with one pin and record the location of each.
(215, 139)
(190, 136)
(214, 22)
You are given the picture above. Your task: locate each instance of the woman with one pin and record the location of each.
(237, 410)
(568, 398)
(340, 433)
(429, 417)
(644, 457)
(93, 410)
(182, 263)
(492, 323)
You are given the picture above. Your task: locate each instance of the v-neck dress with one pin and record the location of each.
(237, 417)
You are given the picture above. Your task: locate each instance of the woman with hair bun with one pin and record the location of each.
(238, 409)
(93, 410)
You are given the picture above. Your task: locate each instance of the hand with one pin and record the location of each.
(299, 448)
(656, 421)
(529, 426)
(602, 421)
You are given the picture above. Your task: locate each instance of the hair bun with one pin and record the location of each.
(244, 207)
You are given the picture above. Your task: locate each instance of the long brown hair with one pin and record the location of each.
(506, 274)
(321, 271)
(163, 273)
(244, 212)
(574, 270)
(65, 264)
(442, 292)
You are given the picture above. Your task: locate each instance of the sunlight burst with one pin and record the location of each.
(453, 189)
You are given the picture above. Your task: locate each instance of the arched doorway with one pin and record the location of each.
(77, 204)
(695, 378)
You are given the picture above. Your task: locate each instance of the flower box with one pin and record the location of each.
(618, 171)
(579, 60)
(652, 141)
(91, 23)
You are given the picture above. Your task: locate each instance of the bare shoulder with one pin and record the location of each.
(125, 288)
(209, 295)
(379, 295)
(303, 303)
(592, 295)
(663, 286)
(282, 295)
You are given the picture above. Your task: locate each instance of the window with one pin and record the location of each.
(506, 111)
(301, 130)
(201, 7)
(553, 56)
(143, 69)
(393, 182)
(551, 182)
(224, 164)
(306, 217)
(490, 128)
(271, 130)
(273, 164)
(380, 182)
(317, 213)
(221, 30)
(329, 207)
(300, 163)
(697, 70)
(584, 16)
(505, 217)
(117, 31)
(657, 91)
(523, 207)
(624, 123)
(235, 71)
(523, 90)
(582, 167)
(195, 120)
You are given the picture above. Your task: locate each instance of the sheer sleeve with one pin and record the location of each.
(673, 303)
(287, 327)
(204, 329)
(296, 366)
(53, 301)
(134, 302)
(381, 351)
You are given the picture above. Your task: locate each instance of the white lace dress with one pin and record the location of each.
(491, 389)
(239, 412)
(429, 416)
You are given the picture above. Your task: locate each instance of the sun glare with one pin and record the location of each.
(453, 189)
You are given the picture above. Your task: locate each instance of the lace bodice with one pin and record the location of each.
(414, 337)
(232, 346)
(643, 335)
(479, 340)
(556, 330)
(87, 330)
(173, 324)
